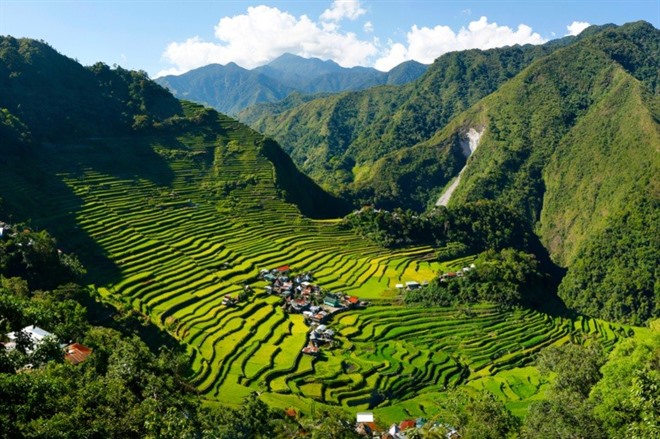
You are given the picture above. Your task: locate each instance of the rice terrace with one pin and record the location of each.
(174, 239)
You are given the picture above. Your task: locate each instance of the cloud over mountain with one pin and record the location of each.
(426, 44)
(576, 27)
(263, 33)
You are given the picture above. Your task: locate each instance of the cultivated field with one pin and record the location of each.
(170, 228)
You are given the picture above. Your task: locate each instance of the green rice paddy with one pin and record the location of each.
(172, 239)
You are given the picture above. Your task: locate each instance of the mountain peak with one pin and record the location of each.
(288, 62)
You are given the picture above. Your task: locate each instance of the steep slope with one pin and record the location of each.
(231, 88)
(227, 88)
(572, 143)
(48, 98)
(52, 97)
(336, 139)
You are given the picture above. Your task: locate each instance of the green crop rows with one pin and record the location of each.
(183, 236)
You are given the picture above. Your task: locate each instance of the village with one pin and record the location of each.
(365, 426)
(301, 296)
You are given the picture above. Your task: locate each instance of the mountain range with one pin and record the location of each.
(569, 138)
(565, 134)
(230, 88)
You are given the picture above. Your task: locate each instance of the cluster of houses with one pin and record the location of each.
(459, 273)
(300, 295)
(74, 353)
(367, 428)
(319, 334)
(411, 285)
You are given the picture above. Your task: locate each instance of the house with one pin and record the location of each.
(394, 431)
(76, 353)
(310, 349)
(412, 285)
(331, 300)
(228, 301)
(407, 424)
(368, 429)
(35, 334)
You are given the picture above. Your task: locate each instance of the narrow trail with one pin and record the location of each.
(469, 144)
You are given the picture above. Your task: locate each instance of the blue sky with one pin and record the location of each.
(175, 36)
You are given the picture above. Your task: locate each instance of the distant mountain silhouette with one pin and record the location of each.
(231, 88)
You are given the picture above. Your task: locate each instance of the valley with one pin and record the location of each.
(167, 244)
(482, 232)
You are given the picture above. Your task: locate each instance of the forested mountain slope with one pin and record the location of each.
(572, 144)
(231, 88)
(48, 98)
(335, 139)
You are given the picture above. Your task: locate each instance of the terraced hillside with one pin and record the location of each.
(170, 227)
(170, 211)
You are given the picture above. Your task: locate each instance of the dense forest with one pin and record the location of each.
(336, 139)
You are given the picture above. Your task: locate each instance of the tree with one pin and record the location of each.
(331, 424)
(567, 412)
(627, 398)
(474, 415)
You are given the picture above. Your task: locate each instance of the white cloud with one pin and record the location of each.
(263, 34)
(341, 9)
(426, 44)
(576, 27)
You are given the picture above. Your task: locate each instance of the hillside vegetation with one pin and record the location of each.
(336, 139)
(175, 211)
(570, 142)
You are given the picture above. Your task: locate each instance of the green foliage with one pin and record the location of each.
(334, 138)
(48, 97)
(627, 398)
(473, 416)
(331, 424)
(476, 226)
(509, 277)
(567, 411)
(34, 257)
(593, 398)
(615, 275)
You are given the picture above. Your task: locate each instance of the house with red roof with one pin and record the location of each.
(76, 353)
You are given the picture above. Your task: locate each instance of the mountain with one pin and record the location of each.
(335, 139)
(227, 88)
(48, 97)
(567, 136)
(48, 100)
(571, 143)
(230, 88)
